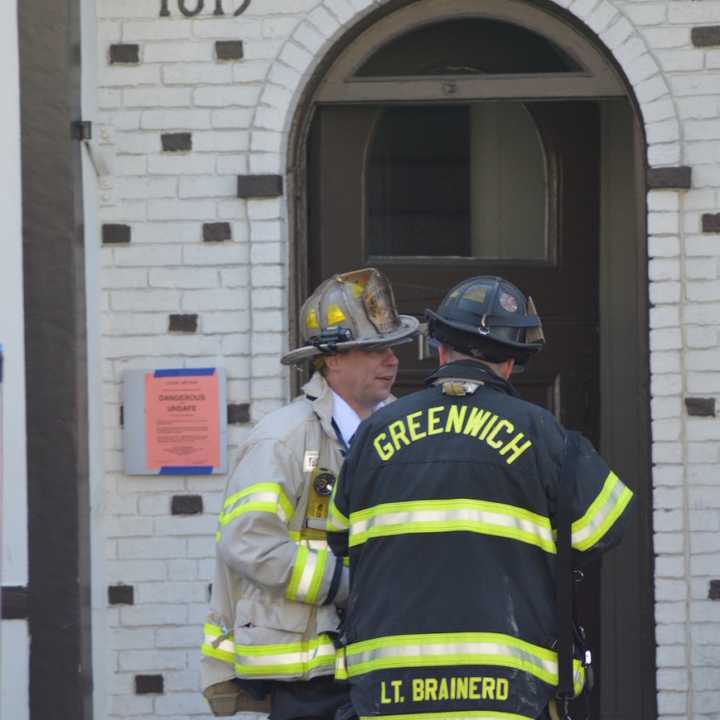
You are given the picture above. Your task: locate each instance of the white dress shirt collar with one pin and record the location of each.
(346, 419)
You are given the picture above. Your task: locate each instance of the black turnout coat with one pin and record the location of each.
(445, 505)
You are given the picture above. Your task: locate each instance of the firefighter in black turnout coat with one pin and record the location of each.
(445, 505)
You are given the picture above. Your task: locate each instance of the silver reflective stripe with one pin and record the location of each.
(294, 654)
(218, 644)
(472, 516)
(267, 496)
(303, 587)
(336, 522)
(578, 677)
(594, 519)
(225, 644)
(429, 650)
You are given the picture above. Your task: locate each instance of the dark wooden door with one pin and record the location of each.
(564, 285)
(390, 187)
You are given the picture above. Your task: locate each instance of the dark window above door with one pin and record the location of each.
(468, 50)
(468, 46)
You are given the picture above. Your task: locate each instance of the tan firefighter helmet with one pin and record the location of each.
(355, 310)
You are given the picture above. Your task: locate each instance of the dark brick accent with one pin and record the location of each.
(706, 36)
(113, 234)
(229, 50)
(147, 684)
(14, 603)
(182, 323)
(669, 178)
(176, 142)
(81, 130)
(122, 415)
(125, 54)
(121, 595)
(237, 414)
(700, 407)
(186, 505)
(259, 186)
(711, 223)
(714, 590)
(216, 232)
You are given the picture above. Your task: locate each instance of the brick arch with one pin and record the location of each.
(312, 47)
(287, 80)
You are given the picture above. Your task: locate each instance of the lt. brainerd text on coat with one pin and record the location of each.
(454, 688)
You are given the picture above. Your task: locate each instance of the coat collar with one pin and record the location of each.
(319, 394)
(472, 371)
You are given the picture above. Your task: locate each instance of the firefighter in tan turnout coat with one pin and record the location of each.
(276, 585)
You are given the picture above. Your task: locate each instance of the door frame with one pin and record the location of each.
(617, 326)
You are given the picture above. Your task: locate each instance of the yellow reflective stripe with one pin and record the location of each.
(274, 488)
(307, 575)
(336, 521)
(340, 665)
(286, 659)
(218, 644)
(262, 497)
(457, 715)
(270, 491)
(578, 677)
(425, 516)
(449, 649)
(300, 559)
(602, 514)
(252, 660)
(318, 574)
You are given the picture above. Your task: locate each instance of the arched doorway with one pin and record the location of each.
(448, 139)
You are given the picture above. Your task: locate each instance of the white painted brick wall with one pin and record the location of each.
(239, 113)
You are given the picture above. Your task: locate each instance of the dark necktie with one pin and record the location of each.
(344, 447)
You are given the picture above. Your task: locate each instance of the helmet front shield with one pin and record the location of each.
(353, 310)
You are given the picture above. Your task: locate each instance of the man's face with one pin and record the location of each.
(362, 378)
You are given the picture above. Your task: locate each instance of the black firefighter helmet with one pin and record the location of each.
(488, 318)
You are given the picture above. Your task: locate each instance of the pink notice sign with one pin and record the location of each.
(182, 426)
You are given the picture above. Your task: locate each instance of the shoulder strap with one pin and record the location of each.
(564, 569)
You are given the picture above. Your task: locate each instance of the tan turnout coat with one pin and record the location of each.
(267, 615)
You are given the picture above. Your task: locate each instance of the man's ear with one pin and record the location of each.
(332, 361)
(507, 368)
(442, 355)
